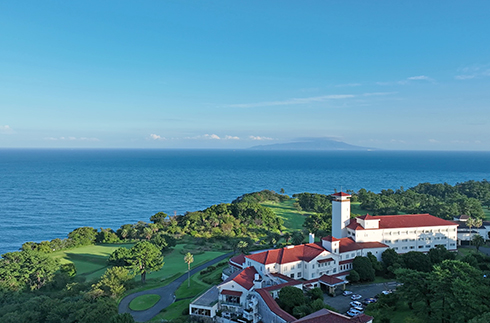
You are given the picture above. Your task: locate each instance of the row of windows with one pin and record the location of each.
(420, 239)
(420, 247)
(419, 231)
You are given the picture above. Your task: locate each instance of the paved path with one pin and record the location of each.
(167, 294)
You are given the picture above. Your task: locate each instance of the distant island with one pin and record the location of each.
(312, 144)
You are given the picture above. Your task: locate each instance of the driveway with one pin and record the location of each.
(166, 293)
(341, 303)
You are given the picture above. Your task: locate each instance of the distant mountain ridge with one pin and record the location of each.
(316, 144)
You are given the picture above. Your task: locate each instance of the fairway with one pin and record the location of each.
(293, 219)
(90, 261)
(144, 302)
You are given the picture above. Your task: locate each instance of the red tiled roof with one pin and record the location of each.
(325, 260)
(330, 238)
(401, 221)
(306, 252)
(271, 303)
(341, 194)
(246, 277)
(331, 280)
(347, 244)
(325, 315)
(231, 292)
(238, 260)
(279, 286)
(283, 277)
(346, 262)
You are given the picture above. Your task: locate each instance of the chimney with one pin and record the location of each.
(311, 238)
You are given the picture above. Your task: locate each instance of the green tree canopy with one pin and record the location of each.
(145, 258)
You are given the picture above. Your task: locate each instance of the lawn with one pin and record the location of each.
(487, 214)
(184, 295)
(355, 207)
(90, 261)
(144, 302)
(293, 219)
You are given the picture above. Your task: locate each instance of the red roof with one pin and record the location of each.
(346, 262)
(231, 292)
(330, 238)
(306, 252)
(341, 194)
(281, 276)
(272, 305)
(325, 315)
(238, 260)
(331, 280)
(245, 278)
(401, 221)
(325, 260)
(347, 244)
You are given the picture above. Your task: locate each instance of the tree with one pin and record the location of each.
(478, 241)
(290, 297)
(297, 237)
(120, 257)
(159, 218)
(363, 266)
(83, 236)
(242, 246)
(26, 269)
(470, 223)
(439, 253)
(318, 222)
(122, 318)
(113, 280)
(145, 258)
(353, 276)
(417, 261)
(188, 259)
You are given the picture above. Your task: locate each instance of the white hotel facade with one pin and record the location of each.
(251, 289)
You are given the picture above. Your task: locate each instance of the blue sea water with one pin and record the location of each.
(44, 194)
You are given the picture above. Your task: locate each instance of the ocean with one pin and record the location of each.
(46, 193)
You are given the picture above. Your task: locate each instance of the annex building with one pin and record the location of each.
(247, 293)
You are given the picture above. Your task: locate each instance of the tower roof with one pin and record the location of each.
(341, 194)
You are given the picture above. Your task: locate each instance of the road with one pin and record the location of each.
(166, 293)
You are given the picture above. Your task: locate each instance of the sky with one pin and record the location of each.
(411, 75)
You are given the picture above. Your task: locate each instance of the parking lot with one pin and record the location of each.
(341, 303)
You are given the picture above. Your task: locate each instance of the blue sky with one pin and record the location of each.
(234, 74)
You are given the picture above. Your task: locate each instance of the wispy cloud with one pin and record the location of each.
(260, 138)
(433, 141)
(6, 129)
(154, 136)
(475, 71)
(231, 137)
(293, 101)
(408, 80)
(378, 93)
(71, 139)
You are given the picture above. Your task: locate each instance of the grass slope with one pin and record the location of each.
(293, 219)
(90, 261)
(144, 302)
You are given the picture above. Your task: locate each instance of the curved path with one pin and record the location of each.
(166, 294)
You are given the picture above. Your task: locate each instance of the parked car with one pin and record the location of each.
(386, 292)
(353, 312)
(369, 300)
(358, 308)
(355, 304)
(347, 293)
(355, 297)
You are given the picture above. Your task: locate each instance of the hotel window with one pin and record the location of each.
(427, 246)
(298, 275)
(420, 247)
(412, 247)
(353, 255)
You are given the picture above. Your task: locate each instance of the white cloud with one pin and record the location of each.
(475, 71)
(420, 77)
(231, 137)
(260, 138)
(292, 101)
(212, 137)
(156, 137)
(433, 141)
(6, 129)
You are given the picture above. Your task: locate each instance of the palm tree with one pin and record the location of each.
(189, 258)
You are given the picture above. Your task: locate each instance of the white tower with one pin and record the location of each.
(340, 214)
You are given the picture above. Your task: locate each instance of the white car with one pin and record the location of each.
(355, 297)
(347, 293)
(386, 292)
(353, 312)
(356, 304)
(358, 308)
